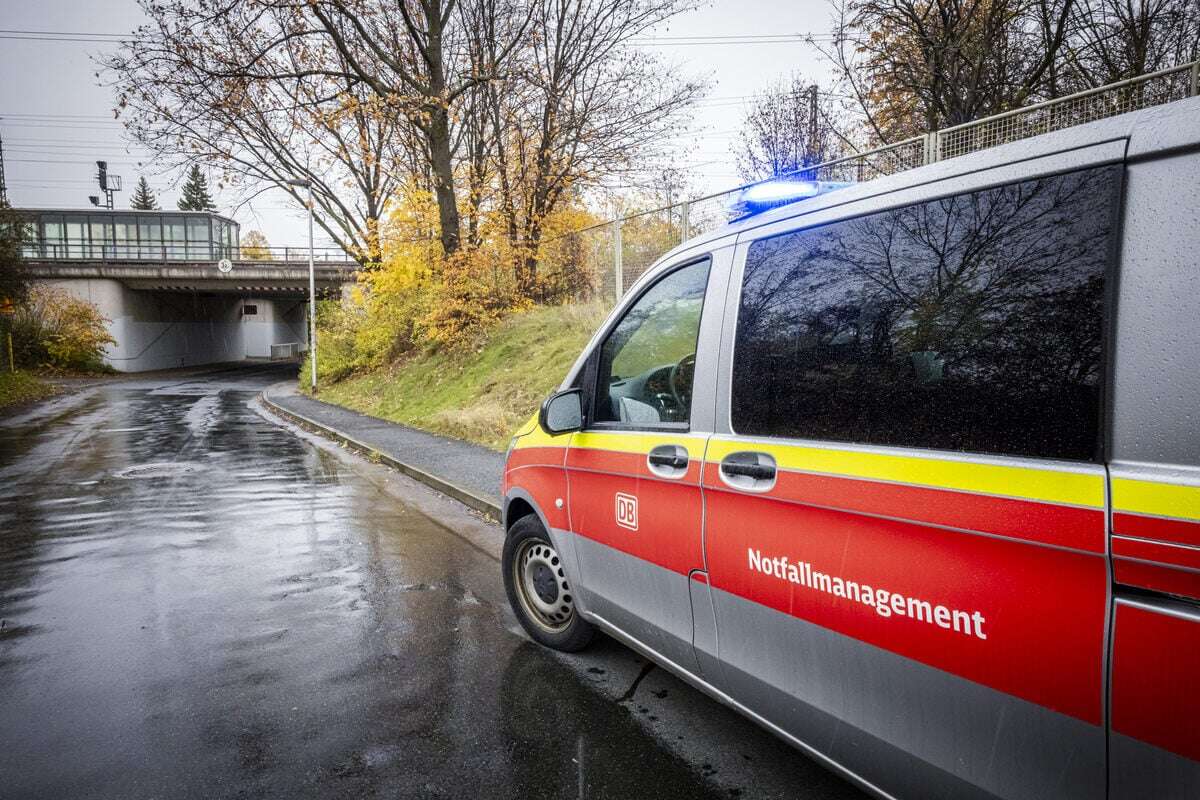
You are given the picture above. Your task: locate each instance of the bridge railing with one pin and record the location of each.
(88, 250)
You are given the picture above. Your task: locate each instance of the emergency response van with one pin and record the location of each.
(907, 472)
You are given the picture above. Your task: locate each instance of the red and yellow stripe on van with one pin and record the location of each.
(1023, 544)
(1056, 506)
(1156, 535)
(535, 466)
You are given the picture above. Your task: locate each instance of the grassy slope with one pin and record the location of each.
(481, 396)
(21, 387)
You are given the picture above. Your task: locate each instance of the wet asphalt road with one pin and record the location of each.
(195, 602)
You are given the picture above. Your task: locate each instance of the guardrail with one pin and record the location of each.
(87, 250)
(287, 350)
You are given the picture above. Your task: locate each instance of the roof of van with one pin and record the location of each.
(1167, 127)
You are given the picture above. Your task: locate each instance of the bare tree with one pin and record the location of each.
(417, 56)
(789, 126)
(581, 102)
(917, 65)
(1116, 39)
(228, 85)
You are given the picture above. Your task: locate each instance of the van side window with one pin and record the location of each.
(970, 323)
(648, 361)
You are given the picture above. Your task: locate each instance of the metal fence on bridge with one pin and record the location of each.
(606, 259)
(91, 250)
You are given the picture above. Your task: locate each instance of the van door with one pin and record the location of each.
(1154, 744)
(634, 472)
(906, 518)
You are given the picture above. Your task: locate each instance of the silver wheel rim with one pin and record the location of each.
(542, 586)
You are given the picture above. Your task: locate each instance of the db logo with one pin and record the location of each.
(627, 511)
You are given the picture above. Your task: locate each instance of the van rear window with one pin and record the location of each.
(972, 323)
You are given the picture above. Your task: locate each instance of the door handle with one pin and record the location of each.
(668, 461)
(759, 472)
(749, 471)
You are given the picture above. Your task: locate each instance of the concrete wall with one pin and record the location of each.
(158, 330)
(276, 321)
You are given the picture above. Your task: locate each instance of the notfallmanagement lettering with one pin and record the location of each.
(885, 603)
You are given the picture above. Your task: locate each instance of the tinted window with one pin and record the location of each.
(968, 323)
(648, 361)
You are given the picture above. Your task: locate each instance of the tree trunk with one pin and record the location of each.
(442, 162)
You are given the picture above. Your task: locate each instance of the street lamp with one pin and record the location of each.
(312, 283)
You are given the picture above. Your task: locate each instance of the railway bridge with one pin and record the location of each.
(177, 288)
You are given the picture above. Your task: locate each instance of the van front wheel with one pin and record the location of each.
(538, 588)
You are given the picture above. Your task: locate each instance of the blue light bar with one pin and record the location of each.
(772, 194)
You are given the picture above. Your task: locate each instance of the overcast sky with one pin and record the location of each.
(56, 117)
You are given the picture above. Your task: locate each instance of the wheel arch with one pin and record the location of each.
(519, 503)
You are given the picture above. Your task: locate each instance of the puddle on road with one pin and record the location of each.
(165, 469)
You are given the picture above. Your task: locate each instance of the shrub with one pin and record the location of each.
(54, 329)
(469, 298)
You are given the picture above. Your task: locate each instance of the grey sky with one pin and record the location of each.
(56, 118)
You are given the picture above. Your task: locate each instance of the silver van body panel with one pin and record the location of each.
(1141, 771)
(1156, 379)
(655, 605)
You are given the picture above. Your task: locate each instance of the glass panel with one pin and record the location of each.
(77, 237)
(174, 242)
(125, 237)
(30, 244)
(150, 237)
(52, 237)
(199, 240)
(968, 323)
(225, 238)
(648, 361)
(102, 236)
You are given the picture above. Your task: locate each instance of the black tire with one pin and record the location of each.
(538, 590)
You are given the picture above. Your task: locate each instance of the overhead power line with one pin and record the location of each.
(82, 117)
(652, 41)
(61, 33)
(68, 161)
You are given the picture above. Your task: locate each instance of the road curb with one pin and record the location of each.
(483, 505)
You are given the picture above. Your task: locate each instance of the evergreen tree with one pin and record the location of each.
(14, 281)
(143, 199)
(195, 193)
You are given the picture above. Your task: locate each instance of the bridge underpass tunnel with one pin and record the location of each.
(159, 328)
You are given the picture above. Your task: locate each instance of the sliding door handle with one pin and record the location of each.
(749, 471)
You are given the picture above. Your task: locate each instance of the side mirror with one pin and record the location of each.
(562, 412)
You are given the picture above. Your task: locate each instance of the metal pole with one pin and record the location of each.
(1195, 88)
(12, 364)
(312, 295)
(618, 267)
(685, 222)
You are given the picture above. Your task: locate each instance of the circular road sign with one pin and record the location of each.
(225, 265)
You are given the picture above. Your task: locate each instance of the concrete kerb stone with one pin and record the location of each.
(468, 498)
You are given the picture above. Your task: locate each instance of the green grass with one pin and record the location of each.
(481, 396)
(17, 388)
